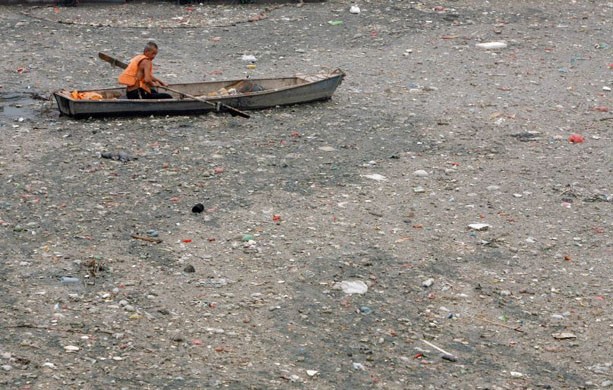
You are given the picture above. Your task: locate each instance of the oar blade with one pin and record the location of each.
(112, 61)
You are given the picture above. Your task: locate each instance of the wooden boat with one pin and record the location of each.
(246, 94)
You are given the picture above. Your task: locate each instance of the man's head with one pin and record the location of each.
(151, 50)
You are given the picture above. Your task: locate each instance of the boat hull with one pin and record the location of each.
(278, 92)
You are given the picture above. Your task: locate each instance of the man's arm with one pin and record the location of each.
(145, 68)
(148, 76)
(158, 81)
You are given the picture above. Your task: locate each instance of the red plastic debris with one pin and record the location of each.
(218, 170)
(276, 218)
(576, 139)
(187, 240)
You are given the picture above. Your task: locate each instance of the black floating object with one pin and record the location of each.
(118, 156)
(189, 269)
(198, 208)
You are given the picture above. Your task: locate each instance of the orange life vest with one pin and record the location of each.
(130, 75)
(86, 95)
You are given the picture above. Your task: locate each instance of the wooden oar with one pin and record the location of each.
(218, 105)
(233, 111)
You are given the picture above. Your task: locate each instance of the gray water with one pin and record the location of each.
(18, 106)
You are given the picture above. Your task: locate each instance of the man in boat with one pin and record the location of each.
(138, 76)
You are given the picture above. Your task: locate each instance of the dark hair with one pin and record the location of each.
(150, 46)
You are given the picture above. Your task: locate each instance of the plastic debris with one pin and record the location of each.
(365, 310)
(352, 286)
(575, 139)
(354, 9)
(480, 227)
(376, 176)
(491, 45)
(117, 156)
(69, 280)
(564, 336)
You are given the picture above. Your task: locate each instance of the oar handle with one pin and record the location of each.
(233, 111)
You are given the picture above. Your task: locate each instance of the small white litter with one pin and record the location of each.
(248, 58)
(479, 226)
(351, 286)
(375, 176)
(491, 45)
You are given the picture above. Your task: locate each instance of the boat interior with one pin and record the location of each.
(213, 89)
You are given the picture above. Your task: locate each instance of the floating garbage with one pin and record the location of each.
(575, 139)
(564, 336)
(248, 58)
(491, 45)
(118, 156)
(479, 226)
(352, 286)
(375, 176)
(69, 280)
